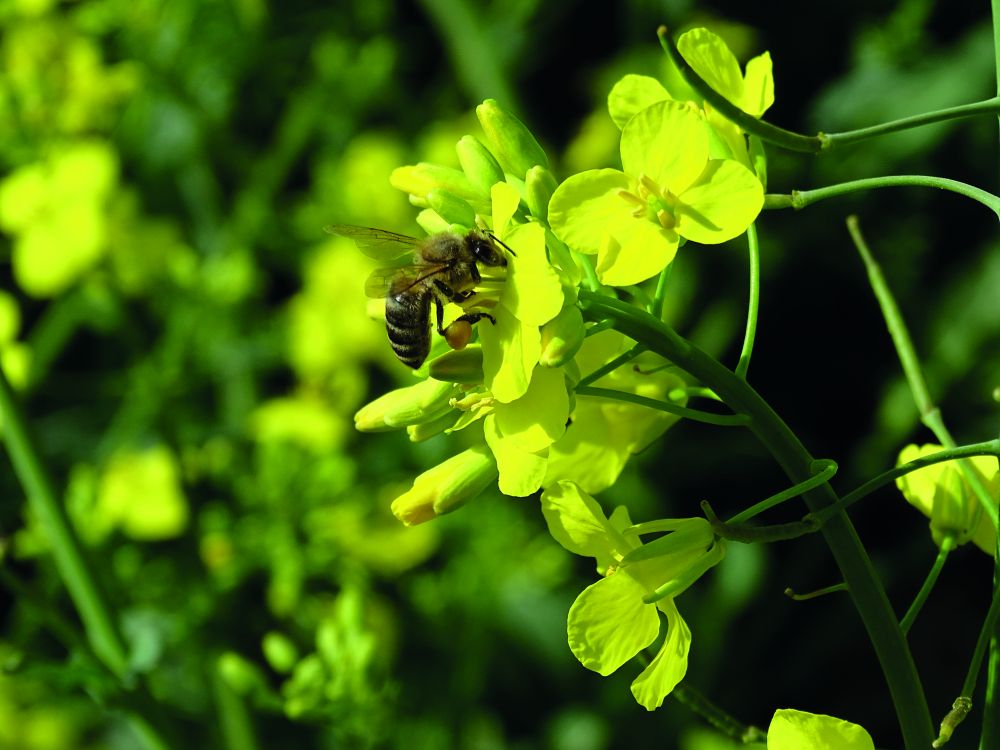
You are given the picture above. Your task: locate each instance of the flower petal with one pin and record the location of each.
(798, 730)
(537, 419)
(724, 202)
(577, 522)
(669, 666)
(608, 623)
(713, 61)
(631, 94)
(758, 86)
(505, 201)
(634, 252)
(532, 290)
(586, 204)
(521, 472)
(668, 142)
(510, 351)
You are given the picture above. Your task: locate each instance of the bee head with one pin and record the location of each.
(484, 249)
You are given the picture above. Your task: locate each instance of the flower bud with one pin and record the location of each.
(539, 185)
(426, 430)
(513, 144)
(423, 402)
(432, 222)
(465, 366)
(420, 179)
(479, 165)
(452, 208)
(447, 486)
(562, 337)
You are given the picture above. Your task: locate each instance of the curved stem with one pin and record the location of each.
(98, 622)
(720, 420)
(826, 471)
(803, 198)
(697, 703)
(855, 566)
(753, 304)
(611, 366)
(947, 545)
(985, 107)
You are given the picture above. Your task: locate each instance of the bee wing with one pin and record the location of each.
(383, 282)
(379, 244)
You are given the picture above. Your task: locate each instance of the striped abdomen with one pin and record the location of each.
(407, 321)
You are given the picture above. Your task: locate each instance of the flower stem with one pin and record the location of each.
(753, 304)
(697, 703)
(825, 471)
(985, 633)
(721, 420)
(930, 415)
(988, 448)
(98, 622)
(821, 141)
(803, 198)
(611, 366)
(947, 545)
(855, 566)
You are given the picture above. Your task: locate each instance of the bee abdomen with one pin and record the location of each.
(407, 322)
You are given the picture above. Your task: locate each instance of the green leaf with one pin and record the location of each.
(577, 522)
(670, 664)
(724, 202)
(608, 623)
(668, 142)
(537, 419)
(631, 94)
(798, 730)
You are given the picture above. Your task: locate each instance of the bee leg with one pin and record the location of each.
(439, 312)
(472, 318)
(446, 290)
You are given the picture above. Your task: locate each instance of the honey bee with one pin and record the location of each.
(443, 269)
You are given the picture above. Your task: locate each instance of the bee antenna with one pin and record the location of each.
(497, 239)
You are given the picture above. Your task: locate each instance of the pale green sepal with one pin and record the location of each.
(670, 664)
(512, 143)
(562, 259)
(462, 366)
(417, 433)
(562, 337)
(577, 522)
(631, 94)
(453, 209)
(420, 179)
(539, 184)
(758, 160)
(726, 200)
(608, 623)
(479, 165)
(668, 142)
(521, 472)
(799, 730)
(538, 418)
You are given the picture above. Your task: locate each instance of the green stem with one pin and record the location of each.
(821, 141)
(753, 304)
(102, 633)
(698, 704)
(930, 415)
(832, 589)
(826, 470)
(802, 198)
(720, 420)
(988, 448)
(611, 366)
(947, 545)
(855, 566)
(656, 309)
(985, 633)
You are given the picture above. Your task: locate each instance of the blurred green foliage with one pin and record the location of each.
(191, 349)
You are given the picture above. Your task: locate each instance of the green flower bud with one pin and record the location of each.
(432, 223)
(280, 651)
(512, 143)
(420, 179)
(539, 185)
(452, 208)
(462, 366)
(479, 165)
(423, 402)
(426, 430)
(242, 676)
(562, 337)
(447, 486)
